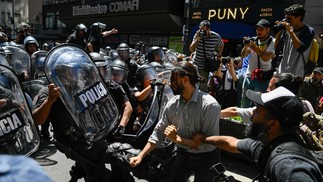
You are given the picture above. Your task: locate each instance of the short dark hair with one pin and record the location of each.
(289, 81)
(296, 10)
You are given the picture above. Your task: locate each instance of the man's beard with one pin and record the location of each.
(257, 132)
(178, 90)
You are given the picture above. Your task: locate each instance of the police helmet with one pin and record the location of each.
(30, 40)
(97, 57)
(123, 51)
(108, 49)
(97, 27)
(119, 71)
(3, 37)
(80, 27)
(114, 54)
(24, 27)
(158, 67)
(101, 64)
(145, 73)
(103, 52)
(154, 53)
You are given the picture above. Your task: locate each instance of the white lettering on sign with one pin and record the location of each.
(89, 10)
(113, 7)
(9, 123)
(92, 95)
(124, 6)
(228, 13)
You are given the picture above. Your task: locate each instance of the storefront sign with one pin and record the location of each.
(112, 7)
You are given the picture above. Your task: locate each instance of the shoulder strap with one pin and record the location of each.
(289, 147)
(267, 43)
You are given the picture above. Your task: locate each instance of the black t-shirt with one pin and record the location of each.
(74, 39)
(96, 42)
(288, 167)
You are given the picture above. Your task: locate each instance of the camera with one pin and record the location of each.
(248, 40)
(279, 27)
(203, 34)
(225, 60)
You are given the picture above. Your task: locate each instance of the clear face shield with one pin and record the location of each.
(124, 54)
(148, 74)
(159, 56)
(119, 75)
(103, 70)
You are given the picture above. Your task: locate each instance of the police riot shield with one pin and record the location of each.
(18, 134)
(38, 78)
(171, 57)
(37, 65)
(19, 60)
(83, 90)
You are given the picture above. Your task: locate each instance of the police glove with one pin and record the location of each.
(118, 133)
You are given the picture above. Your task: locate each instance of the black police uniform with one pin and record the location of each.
(96, 42)
(74, 39)
(66, 132)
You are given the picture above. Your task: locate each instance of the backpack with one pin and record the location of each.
(311, 131)
(291, 147)
(312, 58)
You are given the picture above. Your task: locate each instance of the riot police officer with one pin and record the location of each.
(124, 54)
(95, 40)
(78, 37)
(155, 54)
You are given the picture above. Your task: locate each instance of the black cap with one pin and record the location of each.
(282, 104)
(263, 23)
(319, 70)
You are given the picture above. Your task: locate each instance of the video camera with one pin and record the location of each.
(279, 26)
(218, 171)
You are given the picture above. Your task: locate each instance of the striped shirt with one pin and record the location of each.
(212, 43)
(201, 114)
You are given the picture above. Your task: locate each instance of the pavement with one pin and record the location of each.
(57, 167)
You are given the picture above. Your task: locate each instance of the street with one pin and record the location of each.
(59, 172)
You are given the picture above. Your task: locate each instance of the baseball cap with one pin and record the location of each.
(281, 103)
(204, 23)
(319, 70)
(263, 23)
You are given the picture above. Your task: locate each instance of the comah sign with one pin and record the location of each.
(112, 7)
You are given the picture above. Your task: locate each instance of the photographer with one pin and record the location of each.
(296, 37)
(226, 77)
(204, 43)
(260, 70)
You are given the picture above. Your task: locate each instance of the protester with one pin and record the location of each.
(274, 126)
(190, 112)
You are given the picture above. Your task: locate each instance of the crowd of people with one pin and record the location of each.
(266, 86)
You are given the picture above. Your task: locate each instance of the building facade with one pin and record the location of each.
(153, 22)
